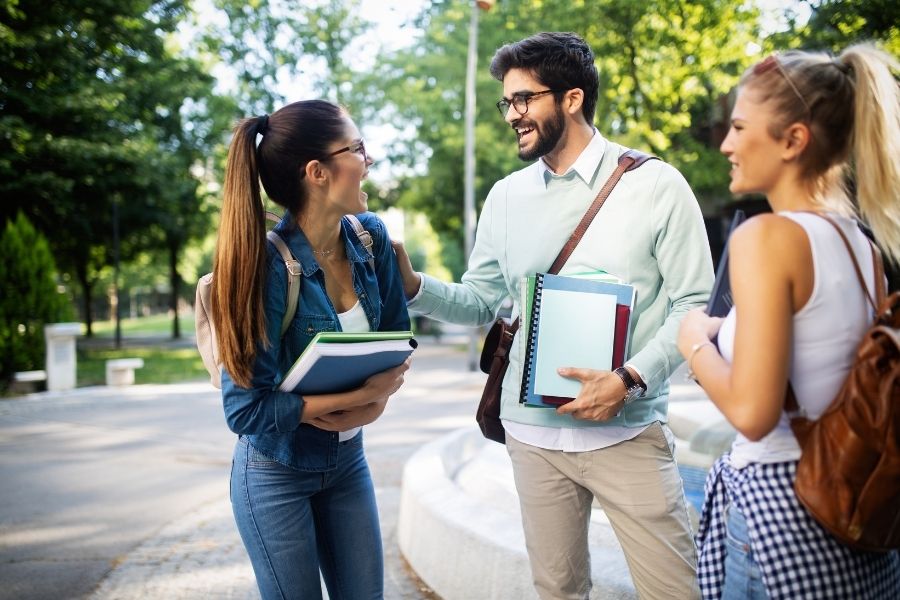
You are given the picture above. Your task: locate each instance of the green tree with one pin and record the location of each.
(30, 297)
(96, 112)
(835, 24)
(664, 65)
(267, 41)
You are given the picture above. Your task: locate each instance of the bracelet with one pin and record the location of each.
(694, 349)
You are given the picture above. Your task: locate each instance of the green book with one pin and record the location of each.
(346, 337)
(337, 361)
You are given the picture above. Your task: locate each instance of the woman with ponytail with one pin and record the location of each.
(803, 126)
(301, 490)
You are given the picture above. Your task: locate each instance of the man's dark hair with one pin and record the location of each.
(561, 61)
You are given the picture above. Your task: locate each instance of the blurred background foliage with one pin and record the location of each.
(115, 114)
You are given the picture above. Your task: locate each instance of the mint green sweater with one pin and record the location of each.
(649, 233)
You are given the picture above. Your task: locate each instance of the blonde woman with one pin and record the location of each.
(800, 120)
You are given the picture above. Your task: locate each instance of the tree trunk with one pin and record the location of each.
(174, 286)
(87, 289)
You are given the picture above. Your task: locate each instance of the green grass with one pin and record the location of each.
(161, 365)
(154, 325)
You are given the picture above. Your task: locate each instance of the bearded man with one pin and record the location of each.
(612, 442)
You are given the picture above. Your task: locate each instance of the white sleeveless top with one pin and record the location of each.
(826, 332)
(355, 321)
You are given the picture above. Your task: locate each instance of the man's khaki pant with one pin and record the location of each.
(637, 484)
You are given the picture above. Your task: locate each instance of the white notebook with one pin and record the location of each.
(576, 329)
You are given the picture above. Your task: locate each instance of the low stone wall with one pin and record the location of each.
(460, 527)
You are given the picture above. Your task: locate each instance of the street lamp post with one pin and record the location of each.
(116, 314)
(469, 162)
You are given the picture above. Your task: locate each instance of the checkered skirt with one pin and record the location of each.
(796, 556)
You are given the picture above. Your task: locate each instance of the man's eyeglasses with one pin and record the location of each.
(520, 101)
(359, 146)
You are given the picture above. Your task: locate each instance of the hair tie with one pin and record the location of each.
(841, 66)
(262, 124)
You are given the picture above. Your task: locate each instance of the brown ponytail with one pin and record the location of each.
(291, 137)
(239, 266)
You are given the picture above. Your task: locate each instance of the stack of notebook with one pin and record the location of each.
(578, 321)
(337, 361)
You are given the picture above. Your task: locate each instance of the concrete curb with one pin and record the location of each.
(460, 527)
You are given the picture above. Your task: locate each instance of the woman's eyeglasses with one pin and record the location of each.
(359, 147)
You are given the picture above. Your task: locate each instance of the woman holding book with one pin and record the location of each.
(301, 490)
(800, 120)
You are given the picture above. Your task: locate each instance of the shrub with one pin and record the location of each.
(30, 297)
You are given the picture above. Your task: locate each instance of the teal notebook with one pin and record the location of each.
(589, 321)
(576, 329)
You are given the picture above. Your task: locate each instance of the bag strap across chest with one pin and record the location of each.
(628, 161)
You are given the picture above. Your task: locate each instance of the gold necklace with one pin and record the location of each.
(325, 253)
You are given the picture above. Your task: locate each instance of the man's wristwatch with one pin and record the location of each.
(633, 388)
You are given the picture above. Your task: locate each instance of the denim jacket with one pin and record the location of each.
(270, 418)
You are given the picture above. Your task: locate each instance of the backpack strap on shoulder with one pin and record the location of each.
(876, 300)
(293, 279)
(364, 237)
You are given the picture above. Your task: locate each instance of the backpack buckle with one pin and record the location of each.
(293, 267)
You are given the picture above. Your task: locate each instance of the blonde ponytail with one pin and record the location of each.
(876, 142)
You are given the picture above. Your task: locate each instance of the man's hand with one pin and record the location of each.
(601, 398)
(411, 279)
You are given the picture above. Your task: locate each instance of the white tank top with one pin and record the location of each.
(355, 321)
(826, 332)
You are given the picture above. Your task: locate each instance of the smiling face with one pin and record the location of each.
(755, 155)
(348, 168)
(542, 126)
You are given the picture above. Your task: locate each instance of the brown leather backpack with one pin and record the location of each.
(848, 476)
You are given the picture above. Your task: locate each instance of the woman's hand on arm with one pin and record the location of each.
(765, 258)
(697, 327)
(411, 280)
(340, 412)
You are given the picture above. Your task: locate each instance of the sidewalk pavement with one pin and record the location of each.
(199, 554)
(188, 548)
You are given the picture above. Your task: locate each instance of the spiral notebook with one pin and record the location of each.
(573, 321)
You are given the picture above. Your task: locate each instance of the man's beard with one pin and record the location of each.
(548, 135)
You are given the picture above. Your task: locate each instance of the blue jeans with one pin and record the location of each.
(294, 523)
(743, 580)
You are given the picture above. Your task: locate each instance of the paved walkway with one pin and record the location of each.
(200, 555)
